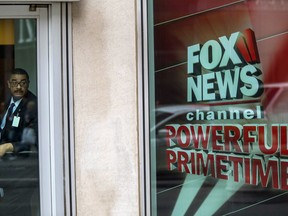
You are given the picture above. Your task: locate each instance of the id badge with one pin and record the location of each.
(16, 121)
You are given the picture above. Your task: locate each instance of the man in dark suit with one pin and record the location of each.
(18, 131)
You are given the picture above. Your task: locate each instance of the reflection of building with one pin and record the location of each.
(26, 34)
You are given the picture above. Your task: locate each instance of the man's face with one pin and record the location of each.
(18, 85)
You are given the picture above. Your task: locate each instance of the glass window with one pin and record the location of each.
(19, 180)
(218, 114)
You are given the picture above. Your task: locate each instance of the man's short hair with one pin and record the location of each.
(19, 71)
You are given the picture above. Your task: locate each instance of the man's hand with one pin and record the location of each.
(6, 147)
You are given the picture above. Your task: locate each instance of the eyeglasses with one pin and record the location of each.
(21, 83)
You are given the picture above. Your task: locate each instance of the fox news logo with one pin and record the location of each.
(224, 69)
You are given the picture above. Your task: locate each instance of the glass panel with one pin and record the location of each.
(218, 94)
(19, 176)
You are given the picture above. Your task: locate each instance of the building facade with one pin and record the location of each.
(143, 107)
(107, 164)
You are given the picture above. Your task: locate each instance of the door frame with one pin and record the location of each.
(55, 103)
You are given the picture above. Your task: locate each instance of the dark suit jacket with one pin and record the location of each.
(27, 112)
(18, 193)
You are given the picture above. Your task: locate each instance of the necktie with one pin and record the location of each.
(9, 112)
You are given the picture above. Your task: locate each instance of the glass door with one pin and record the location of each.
(23, 54)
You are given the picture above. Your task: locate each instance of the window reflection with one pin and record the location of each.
(19, 175)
